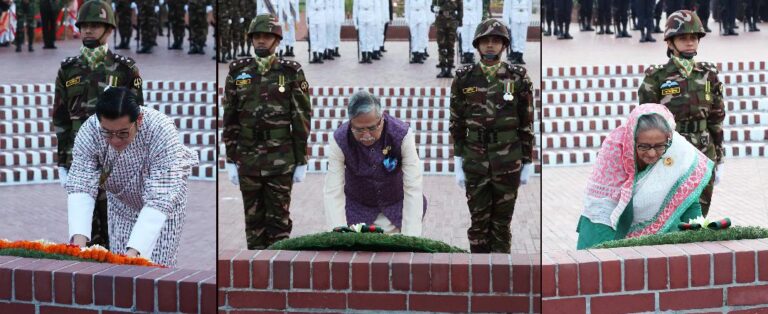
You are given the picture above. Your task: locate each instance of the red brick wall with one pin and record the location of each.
(48, 286)
(720, 277)
(309, 281)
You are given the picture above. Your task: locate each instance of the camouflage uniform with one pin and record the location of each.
(76, 92)
(224, 27)
(198, 26)
(238, 27)
(148, 24)
(494, 136)
(449, 15)
(266, 127)
(124, 22)
(695, 100)
(176, 21)
(248, 8)
(25, 19)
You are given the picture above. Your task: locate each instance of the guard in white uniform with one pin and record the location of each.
(288, 14)
(418, 16)
(517, 14)
(317, 16)
(473, 15)
(364, 17)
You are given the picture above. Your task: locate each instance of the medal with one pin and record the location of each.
(281, 89)
(508, 97)
(509, 88)
(281, 82)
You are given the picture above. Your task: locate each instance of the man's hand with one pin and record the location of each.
(459, 171)
(132, 252)
(232, 173)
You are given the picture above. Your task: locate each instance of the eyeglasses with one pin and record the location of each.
(370, 129)
(659, 148)
(120, 134)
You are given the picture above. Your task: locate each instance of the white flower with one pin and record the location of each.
(704, 222)
(357, 227)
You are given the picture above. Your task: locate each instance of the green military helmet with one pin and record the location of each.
(683, 22)
(491, 27)
(96, 11)
(266, 23)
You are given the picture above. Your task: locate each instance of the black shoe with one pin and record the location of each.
(567, 36)
(589, 28)
(547, 33)
(649, 38)
(706, 29)
(30, 49)
(18, 48)
(419, 58)
(442, 73)
(328, 55)
(601, 31)
(414, 58)
(289, 52)
(375, 55)
(520, 58)
(145, 49)
(192, 49)
(657, 30)
(608, 31)
(381, 49)
(50, 47)
(175, 46)
(336, 52)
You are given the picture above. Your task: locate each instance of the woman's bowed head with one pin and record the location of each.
(631, 193)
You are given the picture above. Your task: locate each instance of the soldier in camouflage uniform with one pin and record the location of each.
(124, 12)
(25, 21)
(492, 130)
(79, 83)
(691, 91)
(224, 25)
(238, 28)
(148, 25)
(176, 19)
(198, 26)
(266, 127)
(448, 18)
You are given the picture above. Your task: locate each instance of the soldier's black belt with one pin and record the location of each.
(692, 126)
(264, 135)
(486, 136)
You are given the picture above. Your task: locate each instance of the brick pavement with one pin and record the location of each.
(740, 196)
(447, 217)
(32, 212)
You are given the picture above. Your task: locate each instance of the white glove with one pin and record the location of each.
(134, 6)
(718, 173)
(299, 173)
(525, 174)
(229, 21)
(157, 9)
(242, 20)
(208, 8)
(63, 176)
(113, 7)
(186, 8)
(461, 181)
(232, 173)
(162, 2)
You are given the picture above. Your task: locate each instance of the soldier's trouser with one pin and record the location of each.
(565, 9)
(48, 19)
(645, 14)
(148, 22)
(123, 13)
(621, 15)
(446, 39)
(703, 11)
(176, 18)
(467, 34)
(332, 34)
(519, 36)
(317, 36)
(367, 37)
(418, 36)
(25, 23)
(266, 201)
(198, 26)
(491, 201)
(238, 35)
(99, 222)
(225, 38)
(705, 199)
(585, 10)
(672, 5)
(289, 35)
(549, 15)
(604, 12)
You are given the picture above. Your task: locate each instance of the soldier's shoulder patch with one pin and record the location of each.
(127, 61)
(304, 86)
(69, 61)
(516, 69)
(290, 64)
(464, 69)
(239, 64)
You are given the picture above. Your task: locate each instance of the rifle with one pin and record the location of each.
(168, 35)
(410, 54)
(309, 43)
(358, 43)
(138, 33)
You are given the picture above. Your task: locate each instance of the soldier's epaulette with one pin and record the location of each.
(127, 61)
(464, 70)
(238, 64)
(516, 69)
(290, 64)
(653, 68)
(709, 66)
(69, 61)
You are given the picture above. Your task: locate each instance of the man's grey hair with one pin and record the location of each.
(362, 102)
(653, 122)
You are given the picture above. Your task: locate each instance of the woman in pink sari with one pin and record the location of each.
(647, 179)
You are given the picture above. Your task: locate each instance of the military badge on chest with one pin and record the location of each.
(509, 90)
(244, 79)
(670, 88)
(73, 81)
(112, 80)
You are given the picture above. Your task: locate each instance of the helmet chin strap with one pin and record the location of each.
(684, 55)
(93, 43)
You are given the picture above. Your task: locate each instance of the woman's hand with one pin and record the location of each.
(132, 252)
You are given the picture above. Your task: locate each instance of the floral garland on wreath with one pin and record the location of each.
(94, 253)
(359, 228)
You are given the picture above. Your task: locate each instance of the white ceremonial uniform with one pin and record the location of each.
(517, 15)
(261, 7)
(317, 21)
(383, 14)
(335, 18)
(364, 17)
(472, 16)
(288, 13)
(146, 188)
(334, 199)
(417, 15)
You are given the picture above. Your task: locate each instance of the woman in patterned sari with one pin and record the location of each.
(646, 180)
(135, 153)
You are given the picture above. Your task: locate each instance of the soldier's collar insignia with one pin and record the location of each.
(73, 81)
(469, 90)
(137, 83)
(243, 76)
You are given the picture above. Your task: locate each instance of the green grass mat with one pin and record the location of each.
(372, 242)
(701, 235)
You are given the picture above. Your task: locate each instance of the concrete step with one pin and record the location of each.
(46, 99)
(611, 122)
(49, 174)
(639, 69)
(170, 109)
(589, 110)
(576, 140)
(47, 156)
(634, 81)
(630, 95)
